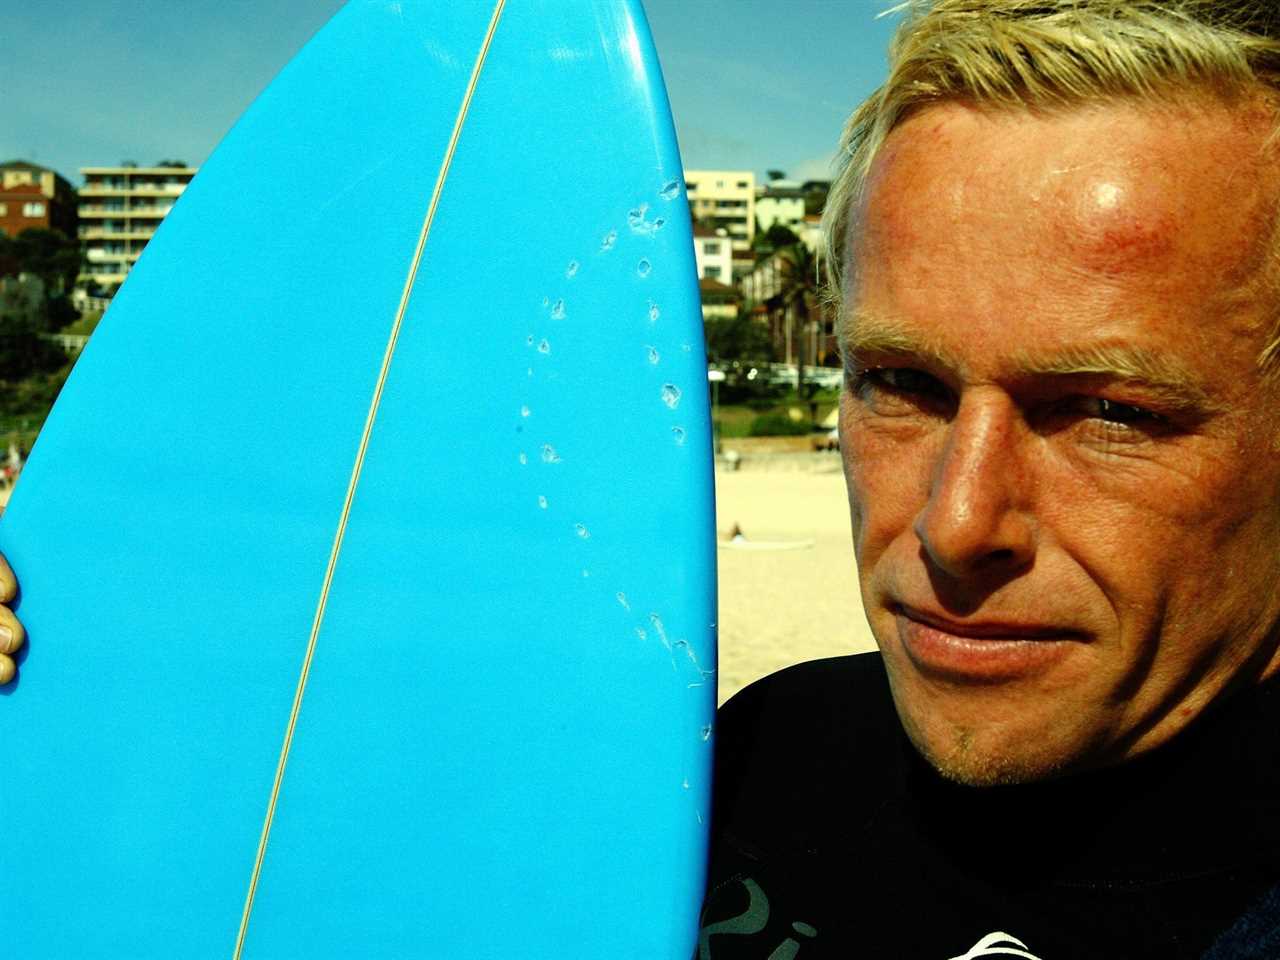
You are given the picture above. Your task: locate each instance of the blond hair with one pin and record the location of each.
(1046, 53)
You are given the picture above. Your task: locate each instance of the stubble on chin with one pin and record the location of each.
(963, 755)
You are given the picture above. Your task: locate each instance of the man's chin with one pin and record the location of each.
(966, 763)
(980, 754)
(996, 732)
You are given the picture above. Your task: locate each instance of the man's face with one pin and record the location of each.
(1061, 458)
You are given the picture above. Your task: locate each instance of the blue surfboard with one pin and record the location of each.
(368, 556)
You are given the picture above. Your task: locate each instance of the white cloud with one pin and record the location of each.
(815, 168)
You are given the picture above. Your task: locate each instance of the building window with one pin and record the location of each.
(33, 209)
(711, 271)
(711, 249)
(742, 184)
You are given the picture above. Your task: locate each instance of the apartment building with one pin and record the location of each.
(724, 200)
(32, 196)
(120, 209)
(781, 203)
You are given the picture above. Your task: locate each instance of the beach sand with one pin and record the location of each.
(784, 606)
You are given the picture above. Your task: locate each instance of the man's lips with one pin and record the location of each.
(987, 629)
(981, 651)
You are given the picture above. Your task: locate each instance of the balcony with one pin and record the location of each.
(166, 189)
(106, 272)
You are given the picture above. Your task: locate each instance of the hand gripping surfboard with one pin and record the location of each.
(368, 557)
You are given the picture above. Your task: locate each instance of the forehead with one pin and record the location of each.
(1078, 222)
(1125, 181)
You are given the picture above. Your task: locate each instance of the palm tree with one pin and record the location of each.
(797, 307)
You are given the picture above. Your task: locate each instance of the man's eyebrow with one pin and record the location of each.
(1166, 379)
(868, 339)
(1169, 381)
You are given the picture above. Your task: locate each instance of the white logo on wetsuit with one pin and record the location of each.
(998, 945)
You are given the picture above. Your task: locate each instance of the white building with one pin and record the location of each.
(781, 202)
(812, 235)
(724, 199)
(714, 254)
(120, 209)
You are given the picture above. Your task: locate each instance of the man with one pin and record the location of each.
(1055, 231)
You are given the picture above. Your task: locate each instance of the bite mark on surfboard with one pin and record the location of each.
(640, 223)
(670, 393)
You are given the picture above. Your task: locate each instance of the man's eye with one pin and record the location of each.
(1120, 413)
(900, 380)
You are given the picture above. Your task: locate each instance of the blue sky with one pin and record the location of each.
(753, 84)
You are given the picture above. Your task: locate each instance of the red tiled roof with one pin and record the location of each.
(711, 285)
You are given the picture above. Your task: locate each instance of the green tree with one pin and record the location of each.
(49, 254)
(799, 304)
(24, 351)
(52, 257)
(736, 338)
(779, 236)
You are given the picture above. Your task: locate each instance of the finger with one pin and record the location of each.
(12, 634)
(7, 669)
(8, 582)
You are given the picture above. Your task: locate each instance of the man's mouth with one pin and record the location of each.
(980, 651)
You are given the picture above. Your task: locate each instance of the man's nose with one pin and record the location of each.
(977, 517)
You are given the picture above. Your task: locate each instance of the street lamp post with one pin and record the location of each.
(715, 376)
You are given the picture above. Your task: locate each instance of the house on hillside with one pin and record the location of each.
(36, 197)
(713, 253)
(719, 300)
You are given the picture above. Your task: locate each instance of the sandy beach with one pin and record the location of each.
(789, 594)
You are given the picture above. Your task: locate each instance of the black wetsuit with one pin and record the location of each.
(832, 838)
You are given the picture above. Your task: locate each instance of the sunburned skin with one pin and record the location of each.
(1116, 231)
(1059, 447)
(1123, 215)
